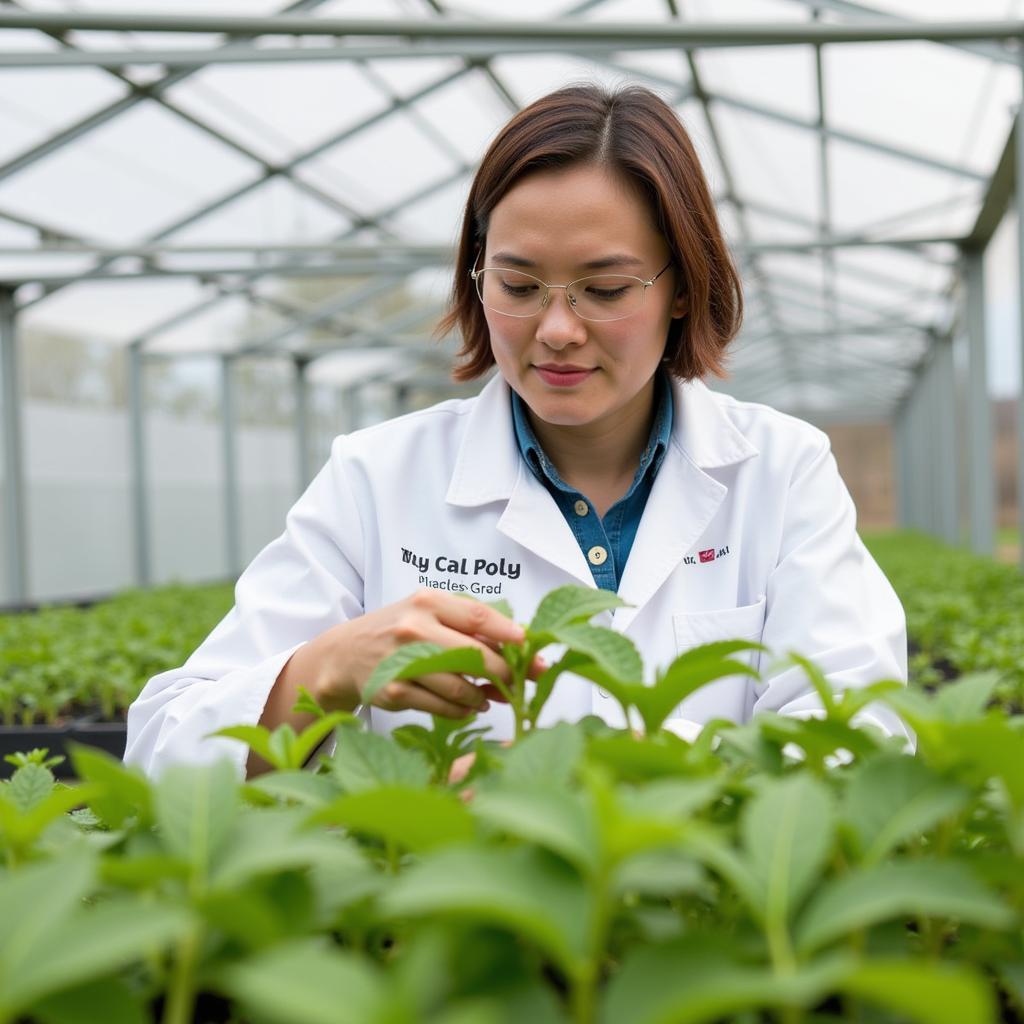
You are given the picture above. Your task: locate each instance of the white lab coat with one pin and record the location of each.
(442, 498)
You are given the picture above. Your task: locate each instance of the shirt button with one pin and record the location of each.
(597, 555)
(582, 508)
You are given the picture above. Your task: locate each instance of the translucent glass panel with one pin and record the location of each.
(779, 77)
(467, 113)
(1002, 310)
(78, 501)
(884, 196)
(112, 311)
(139, 172)
(285, 113)
(35, 104)
(275, 212)
(955, 106)
(217, 328)
(378, 167)
(771, 162)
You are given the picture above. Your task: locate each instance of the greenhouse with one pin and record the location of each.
(511, 512)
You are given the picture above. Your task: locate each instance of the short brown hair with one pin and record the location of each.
(636, 133)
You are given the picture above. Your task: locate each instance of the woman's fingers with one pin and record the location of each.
(473, 618)
(402, 694)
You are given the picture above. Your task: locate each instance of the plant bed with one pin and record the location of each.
(107, 736)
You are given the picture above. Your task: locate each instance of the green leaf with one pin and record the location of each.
(922, 991)
(365, 760)
(687, 674)
(546, 757)
(700, 978)
(282, 747)
(892, 798)
(308, 703)
(37, 900)
(535, 895)
(276, 840)
(296, 786)
(196, 807)
(817, 678)
(91, 942)
(107, 999)
(566, 605)
(122, 790)
(991, 749)
(551, 817)
(413, 660)
(787, 831)
(899, 889)
(632, 760)
(30, 786)
(20, 829)
(663, 873)
(672, 799)
(613, 652)
(307, 982)
(415, 818)
(965, 699)
(313, 735)
(256, 738)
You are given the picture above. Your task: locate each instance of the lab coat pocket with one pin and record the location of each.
(743, 623)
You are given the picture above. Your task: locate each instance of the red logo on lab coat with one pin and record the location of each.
(707, 556)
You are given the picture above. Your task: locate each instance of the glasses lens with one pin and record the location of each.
(510, 292)
(607, 297)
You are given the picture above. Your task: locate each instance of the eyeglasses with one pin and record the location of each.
(602, 297)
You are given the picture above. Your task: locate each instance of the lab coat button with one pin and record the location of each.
(582, 508)
(597, 555)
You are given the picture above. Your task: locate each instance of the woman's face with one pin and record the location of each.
(557, 225)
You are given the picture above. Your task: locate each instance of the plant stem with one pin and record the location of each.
(180, 1005)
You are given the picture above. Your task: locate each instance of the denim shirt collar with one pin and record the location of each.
(650, 459)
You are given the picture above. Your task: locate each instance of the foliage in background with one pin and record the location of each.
(782, 870)
(73, 662)
(964, 613)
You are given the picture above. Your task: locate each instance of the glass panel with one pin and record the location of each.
(1002, 310)
(39, 102)
(378, 166)
(868, 188)
(217, 329)
(142, 170)
(274, 212)
(770, 162)
(437, 218)
(780, 77)
(468, 113)
(283, 110)
(954, 106)
(532, 76)
(113, 311)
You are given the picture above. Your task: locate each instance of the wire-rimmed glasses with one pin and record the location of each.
(598, 297)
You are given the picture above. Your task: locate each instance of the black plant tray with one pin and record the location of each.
(108, 736)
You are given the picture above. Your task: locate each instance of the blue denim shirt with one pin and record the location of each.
(606, 542)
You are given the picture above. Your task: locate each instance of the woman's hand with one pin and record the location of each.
(350, 651)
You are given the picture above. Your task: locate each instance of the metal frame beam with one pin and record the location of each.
(625, 34)
(138, 475)
(14, 482)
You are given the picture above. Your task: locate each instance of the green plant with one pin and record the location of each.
(781, 870)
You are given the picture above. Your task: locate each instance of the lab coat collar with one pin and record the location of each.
(488, 463)
(703, 431)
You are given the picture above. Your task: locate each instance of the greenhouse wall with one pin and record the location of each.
(79, 498)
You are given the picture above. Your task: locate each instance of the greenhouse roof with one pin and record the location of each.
(228, 176)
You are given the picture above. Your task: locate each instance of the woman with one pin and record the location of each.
(592, 272)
